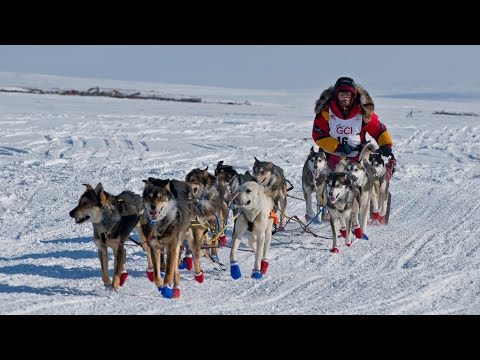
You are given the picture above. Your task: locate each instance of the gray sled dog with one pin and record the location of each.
(314, 180)
(254, 218)
(343, 206)
(113, 218)
(380, 193)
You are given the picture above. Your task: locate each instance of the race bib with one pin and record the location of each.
(347, 130)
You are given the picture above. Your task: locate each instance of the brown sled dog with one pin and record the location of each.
(167, 207)
(113, 218)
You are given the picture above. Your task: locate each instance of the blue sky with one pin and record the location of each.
(250, 66)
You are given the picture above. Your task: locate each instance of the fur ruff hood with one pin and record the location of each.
(363, 98)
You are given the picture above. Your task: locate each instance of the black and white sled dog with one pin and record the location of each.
(380, 195)
(255, 218)
(314, 180)
(343, 206)
(362, 176)
(272, 178)
(113, 218)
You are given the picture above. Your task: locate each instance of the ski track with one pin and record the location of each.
(426, 261)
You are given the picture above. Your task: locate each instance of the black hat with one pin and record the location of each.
(345, 84)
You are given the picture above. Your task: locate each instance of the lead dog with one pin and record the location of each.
(167, 206)
(343, 205)
(254, 218)
(113, 218)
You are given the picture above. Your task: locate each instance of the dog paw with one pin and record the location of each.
(349, 243)
(162, 274)
(308, 217)
(123, 278)
(222, 240)
(343, 233)
(200, 277)
(187, 262)
(176, 292)
(235, 272)
(264, 266)
(334, 250)
(281, 228)
(215, 259)
(166, 291)
(358, 233)
(256, 274)
(150, 274)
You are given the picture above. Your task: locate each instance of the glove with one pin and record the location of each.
(385, 150)
(345, 148)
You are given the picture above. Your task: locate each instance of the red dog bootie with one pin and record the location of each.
(187, 262)
(150, 274)
(264, 266)
(358, 233)
(343, 233)
(222, 239)
(200, 277)
(123, 277)
(176, 292)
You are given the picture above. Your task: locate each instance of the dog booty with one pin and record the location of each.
(176, 292)
(187, 262)
(166, 291)
(280, 228)
(264, 266)
(334, 250)
(150, 274)
(343, 233)
(358, 233)
(235, 272)
(308, 218)
(376, 216)
(348, 244)
(256, 274)
(215, 259)
(123, 278)
(200, 277)
(222, 240)
(162, 274)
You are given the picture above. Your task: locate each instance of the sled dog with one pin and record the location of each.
(167, 207)
(113, 218)
(271, 177)
(314, 179)
(343, 205)
(254, 218)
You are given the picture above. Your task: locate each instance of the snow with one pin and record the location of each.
(426, 261)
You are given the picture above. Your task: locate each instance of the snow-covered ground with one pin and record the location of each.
(426, 261)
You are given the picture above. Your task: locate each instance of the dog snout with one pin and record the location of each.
(72, 213)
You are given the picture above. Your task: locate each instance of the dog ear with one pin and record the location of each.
(89, 187)
(312, 150)
(147, 182)
(98, 188)
(220, 163)
(103, 198)
(206, 169)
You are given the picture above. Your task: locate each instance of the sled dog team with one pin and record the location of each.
(173, 215)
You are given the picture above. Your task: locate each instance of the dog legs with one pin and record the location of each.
(119, 264)
(307, 194)
(103, 256)
(283, 208)
(156, 262)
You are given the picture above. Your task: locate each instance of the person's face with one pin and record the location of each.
(344, 98)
